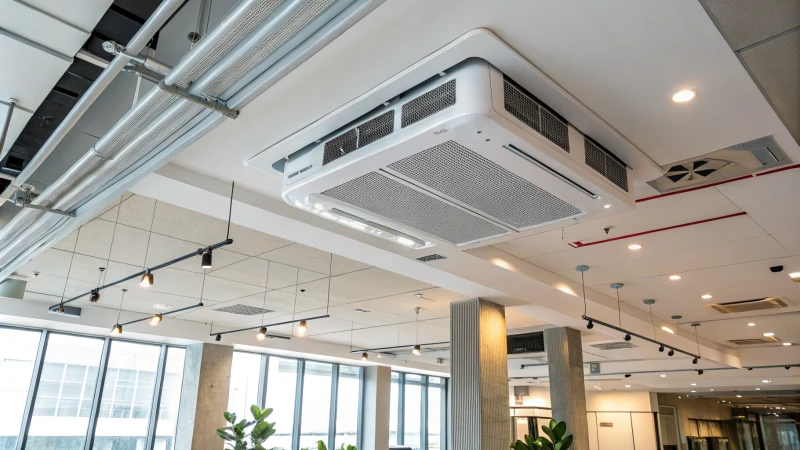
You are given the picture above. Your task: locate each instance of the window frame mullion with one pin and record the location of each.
(423, 418)
(333, 406)
(88, 442)
(298, 404)
(263, 379)
(33, 389)
(401, 408)
(155, 405)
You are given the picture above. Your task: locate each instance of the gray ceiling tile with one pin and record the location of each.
(129, 245)
(94, 238)
(746, 22)
(137, 211)
(303, 256)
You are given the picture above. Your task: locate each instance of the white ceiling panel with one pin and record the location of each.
(770, 200)
(164, 248)
(19, 118)
(129, 245)
(45, 30)
(372, 317)
(791, 241)
(252, 271)
(220, 290)
(68, 243)
(94, 238)
(691, 237)
(50, 262)
(370, 284)
(303, 256)
(137, 211)
(82, 13)
(403, 304)
(282, 276)
(210, 314)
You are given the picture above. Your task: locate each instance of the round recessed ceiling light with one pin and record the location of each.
(705, 296)
(751, 324)
(663, 375)
(634, 247)
(769, 334)
(795, 276)
(694, 384)
(694, 391)
(787, 344)
(609, 207)
(675, 277)
(627, 385)
(758, 389)
(712, 390)
(683, 96)
(162, 306)
(738, 396)
(766, 381)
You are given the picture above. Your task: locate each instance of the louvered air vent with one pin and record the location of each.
(433, 257)
(744, 306)
(360, 136)
(757, 341)
(525, 343)
(244, 310)
(605, 163)
(429, 103)
(614, 345)
(535, 114)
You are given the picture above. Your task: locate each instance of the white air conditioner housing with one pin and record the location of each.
(464, 158)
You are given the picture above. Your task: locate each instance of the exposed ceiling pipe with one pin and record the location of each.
(12, 103)
(157, 20)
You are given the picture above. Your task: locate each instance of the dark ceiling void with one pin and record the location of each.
(120, 22)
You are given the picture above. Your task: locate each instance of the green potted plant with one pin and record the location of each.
(321, 446)
(247, 434)
(557, 441)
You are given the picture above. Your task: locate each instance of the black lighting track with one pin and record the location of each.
(199, 305)
(139, 274)
(396, 347)
(645, 338)
(268, 325)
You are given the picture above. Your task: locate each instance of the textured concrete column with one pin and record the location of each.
(204, 396)
(377, 406)
(479, 376)
(567, 388)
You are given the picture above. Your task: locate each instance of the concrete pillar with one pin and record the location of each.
(377, 402)
(479, 376)
(567, 388)
(204, 396)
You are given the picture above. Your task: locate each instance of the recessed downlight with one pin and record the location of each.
(675, 277)
(684, 96)
(694, 391)
(607, 206)
(787, 344)
(738, 396)
(758, 389)
(668, 330)
(663, 375)
(795, 276)
(627, 385)
(751, 324)
(705, 296)
(766, 381)
(769, 334)
(162, 306)
(694, 384)
(634, 247)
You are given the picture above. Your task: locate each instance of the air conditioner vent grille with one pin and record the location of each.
(433, 257)
(602, 161)
(429, 103)
(745, 306)
(614, 345)
(243, 310)
(536, 115)
(525, 343)
(400, 203)
(460, 173)
(756, 341)
(360, 136)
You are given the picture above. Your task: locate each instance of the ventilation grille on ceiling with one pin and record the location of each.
(756, 341)
(433, 257)
(695, 170)
(525, 107)
(429, 103)
(614, 345)
(605, 163)
(460, 173)
(525, 343)
(360, 136)
(400, 203)
(244, 310)
(744, 306)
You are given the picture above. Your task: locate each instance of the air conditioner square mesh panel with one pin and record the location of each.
(433, 257)
(429, 103)
(606, 165)
(614, 345)
(360, 136)
(468, 177)
(535, 115)
(244, 310)
(395, 201)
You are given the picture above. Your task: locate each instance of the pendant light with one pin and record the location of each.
(95, 296)
(117, 329)
(147, 279)
(302, 328)
(206, 261)
(417, 350)
(616, 286)
(364, 356)
(582, 268)
(262, 333)
(155, 320)
(697, 341)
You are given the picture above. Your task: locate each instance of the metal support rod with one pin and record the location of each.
(159, 17)
(269, 325)
(97, 396)
(152, 422)
(151, 269)
(12, 103)
(645, 338)
(395, 347)
(33, 389)
(333, 405)
(214, 105)
(199, 305)
(298, 404)
(46, 209)
(202, 18)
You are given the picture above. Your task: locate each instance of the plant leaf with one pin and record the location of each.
(519, 445)
(530, 441)
(221, 432)
(264, 413)
(553, 423)
(559, 430)
(550, 434)
(230, 418)
(321, 446)
(565, 444)
(545, 444)
(255, 411)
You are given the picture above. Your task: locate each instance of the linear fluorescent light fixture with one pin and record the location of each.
(319, 208)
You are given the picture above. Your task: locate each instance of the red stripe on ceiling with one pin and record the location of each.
(769, 172)
(579, 244)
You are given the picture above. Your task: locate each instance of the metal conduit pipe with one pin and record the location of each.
(156, 21)
(300, 48)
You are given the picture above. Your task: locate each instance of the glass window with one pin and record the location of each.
(170, 399)
(17, 356)
(435, 392)
(281, 387)
(316, 410)
(70, 369)
(413, 411)
(245, 372)
(347, 406)
(394, 408)
(127, 396)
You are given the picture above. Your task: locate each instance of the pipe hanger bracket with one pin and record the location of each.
(212, 104)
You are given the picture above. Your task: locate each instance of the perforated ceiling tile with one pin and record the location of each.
(244, 310)
(776, 67)
(746, 22)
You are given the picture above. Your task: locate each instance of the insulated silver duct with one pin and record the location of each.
(258, 43)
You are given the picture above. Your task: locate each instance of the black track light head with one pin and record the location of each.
(788, 367)
(700, 372)
(671, 352)
(206, 263)
(117, 330)
(147, 279)
(95, 297)
(661, 348)
(262, 333)
(364, 356)
(749, 368)
(627, 375)
(590, 324)
(60, 308)
(694, 361)
(628, 337)
(218, 338)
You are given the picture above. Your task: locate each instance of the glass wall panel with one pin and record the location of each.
(245, 372)
(413, 411)
(17, 356)
(170, 399)
(435, 391)
(281, 387)
(127, 396)
(394, 406)
(315, 413)
(347, 406)
(66, 387)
